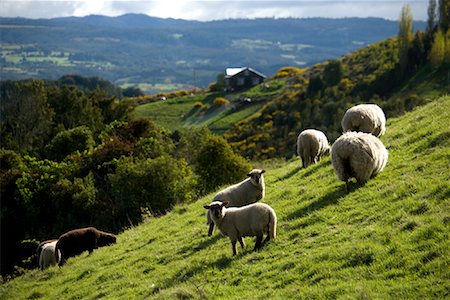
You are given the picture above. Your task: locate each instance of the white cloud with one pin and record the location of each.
(213, 9)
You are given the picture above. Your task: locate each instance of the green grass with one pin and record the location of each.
(178, 112)
(388, 239)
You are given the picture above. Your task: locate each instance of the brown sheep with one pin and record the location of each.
(79, 240)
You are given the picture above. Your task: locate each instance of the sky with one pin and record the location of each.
(207, 10)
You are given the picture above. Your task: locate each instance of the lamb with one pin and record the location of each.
(368, 118)
(47, 255)
(245, 192)
(79, 240)
(359, 155)
(312, 144)
(254, 219)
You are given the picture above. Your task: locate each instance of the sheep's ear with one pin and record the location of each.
(225, 203)
(263, 171)
(249, 174)
(207, 206)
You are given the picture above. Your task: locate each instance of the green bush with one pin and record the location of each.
(154, 184)
(69, 141)
(217, 164)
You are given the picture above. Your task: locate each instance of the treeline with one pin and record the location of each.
(317, 97)
(70, 157)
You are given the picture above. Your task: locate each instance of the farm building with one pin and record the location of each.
(240, 78)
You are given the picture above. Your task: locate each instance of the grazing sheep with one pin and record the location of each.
(48, 257)
(359, 155)
(39, 248)
(245, 192)
(254, 219)
(368, 118)
(79, 240)
(311, 145)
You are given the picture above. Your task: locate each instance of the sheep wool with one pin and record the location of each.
(368, 118)
(250, 190)
(359, 155)
(254, 219)
(47, 255)
(312, 144)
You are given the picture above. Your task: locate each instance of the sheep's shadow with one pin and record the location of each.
(310, 170)
(289, 174)
(191, 249)
(329, 199)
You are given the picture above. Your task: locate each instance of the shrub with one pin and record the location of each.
(69, 141)
(219, 101)
(217, 164)
(156, 184)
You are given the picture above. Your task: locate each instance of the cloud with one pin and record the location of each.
(213, 9)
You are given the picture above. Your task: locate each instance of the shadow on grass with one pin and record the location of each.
(310, 170)
(191, 249)
(329, 199)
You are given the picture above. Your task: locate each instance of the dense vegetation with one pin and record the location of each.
(387, 239)
(71, 158)
(165, 54)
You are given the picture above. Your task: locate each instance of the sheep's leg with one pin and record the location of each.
(233, 246)
(241, 241)
(267, 238)
(211, 229)
(259, 238)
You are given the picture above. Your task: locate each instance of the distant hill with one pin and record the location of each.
(387, 239)
(169, 54)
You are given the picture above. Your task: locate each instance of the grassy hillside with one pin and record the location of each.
(181, 111)
(387, 239)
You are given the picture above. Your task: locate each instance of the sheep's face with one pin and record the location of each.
(217, 209)
(256, 176)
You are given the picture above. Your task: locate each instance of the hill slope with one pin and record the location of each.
(387, 239)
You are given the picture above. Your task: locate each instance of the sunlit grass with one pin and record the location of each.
(388, 239)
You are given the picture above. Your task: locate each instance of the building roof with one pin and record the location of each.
(230, 72)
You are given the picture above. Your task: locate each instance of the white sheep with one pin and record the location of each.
(359, 155)
(368, 118)
(254, 219)
(245, 192)
(47, 256)
(312, 144)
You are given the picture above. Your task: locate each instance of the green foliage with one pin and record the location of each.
(216, 164)
(386, 239)
(25, 115)
(405, 37)
(437, 53)
(156, 184)
(69, 141)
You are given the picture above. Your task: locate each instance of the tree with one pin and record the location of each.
(332, 73)
(405, 37)
(437, 53)
(444, 15)
(25, 115)
(431, 22)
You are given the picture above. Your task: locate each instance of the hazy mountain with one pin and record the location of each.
(138, 49)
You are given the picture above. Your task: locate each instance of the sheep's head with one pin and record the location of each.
(256, 176)
(216, 209)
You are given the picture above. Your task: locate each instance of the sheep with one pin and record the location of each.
(368, 118)
(79, 240)
(311, 145)
(47, 256)
(39, 248)
(359, 155)
(254, 219)
(245, 192)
